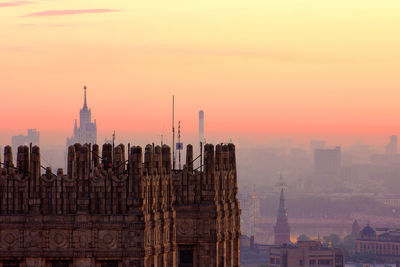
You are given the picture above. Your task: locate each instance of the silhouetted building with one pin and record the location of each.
(391, 148)
(282, 228)
(316, 144)
(355, 228)
(86, 133)
(33, 137)
(109, 212)
(251, 253)
(307, 254)
(254, 212)
(327, 161)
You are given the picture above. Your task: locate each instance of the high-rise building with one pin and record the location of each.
(391, 148)
(282, 228)
(316, 144)
(201, 126)
(327, 161)
(86, 133)
(20, 140)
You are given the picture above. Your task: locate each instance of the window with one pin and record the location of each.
(134, 263)
(50, 202)
(339, 261)
(61, 263)
(10, 263)
(109, 264)
(185, 256)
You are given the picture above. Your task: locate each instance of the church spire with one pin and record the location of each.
(84, 101)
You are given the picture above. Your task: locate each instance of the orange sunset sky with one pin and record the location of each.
(258, 68)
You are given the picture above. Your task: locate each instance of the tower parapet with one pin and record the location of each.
(138, 208)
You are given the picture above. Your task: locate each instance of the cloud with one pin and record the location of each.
(68, 12)
(15, 3)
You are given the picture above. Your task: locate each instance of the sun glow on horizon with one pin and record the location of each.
(255, 67)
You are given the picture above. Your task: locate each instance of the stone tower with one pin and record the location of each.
(120, 208)
(282, 228)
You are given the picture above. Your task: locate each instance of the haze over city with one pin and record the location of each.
(260, 69)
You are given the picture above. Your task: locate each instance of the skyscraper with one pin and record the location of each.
(20, 140)
(201, 126)
(391, 148)
(32, 137)
(282, 228)
(87, 130)
(327, 162)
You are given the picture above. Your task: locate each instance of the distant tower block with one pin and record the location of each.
(391, 148)
(201, 126)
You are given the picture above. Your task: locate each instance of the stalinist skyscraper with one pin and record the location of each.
(86, 133)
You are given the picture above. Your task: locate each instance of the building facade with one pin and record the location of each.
(32, 137)
(86, 132)
(307, 254)
(282, 228)
(327, 162)
(382, 242)
(109, 211)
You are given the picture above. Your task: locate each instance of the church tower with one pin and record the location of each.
(282, 228)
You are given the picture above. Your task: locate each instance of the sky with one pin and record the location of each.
(260, 69)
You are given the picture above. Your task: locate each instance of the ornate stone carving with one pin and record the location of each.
(10, 238)
(186, 227)
(82, 238)
(108, 239)
(33, 238)
(58, 239)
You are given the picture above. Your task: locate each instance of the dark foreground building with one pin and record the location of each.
(107, 211)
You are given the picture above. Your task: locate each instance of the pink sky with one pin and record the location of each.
(259, 69)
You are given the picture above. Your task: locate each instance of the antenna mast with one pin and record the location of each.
(113, 146)
(173, 133)
(179, 143)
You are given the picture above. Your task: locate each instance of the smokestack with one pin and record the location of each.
(201, 126)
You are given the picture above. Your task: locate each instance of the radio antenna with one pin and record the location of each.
(173, 132)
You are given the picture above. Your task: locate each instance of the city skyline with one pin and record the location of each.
(199, 133)
(258, 69)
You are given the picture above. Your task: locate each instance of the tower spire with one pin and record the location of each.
(282, 228)
(84, 101)
(282, 210)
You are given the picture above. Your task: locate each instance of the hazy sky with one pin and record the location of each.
(256, 67)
